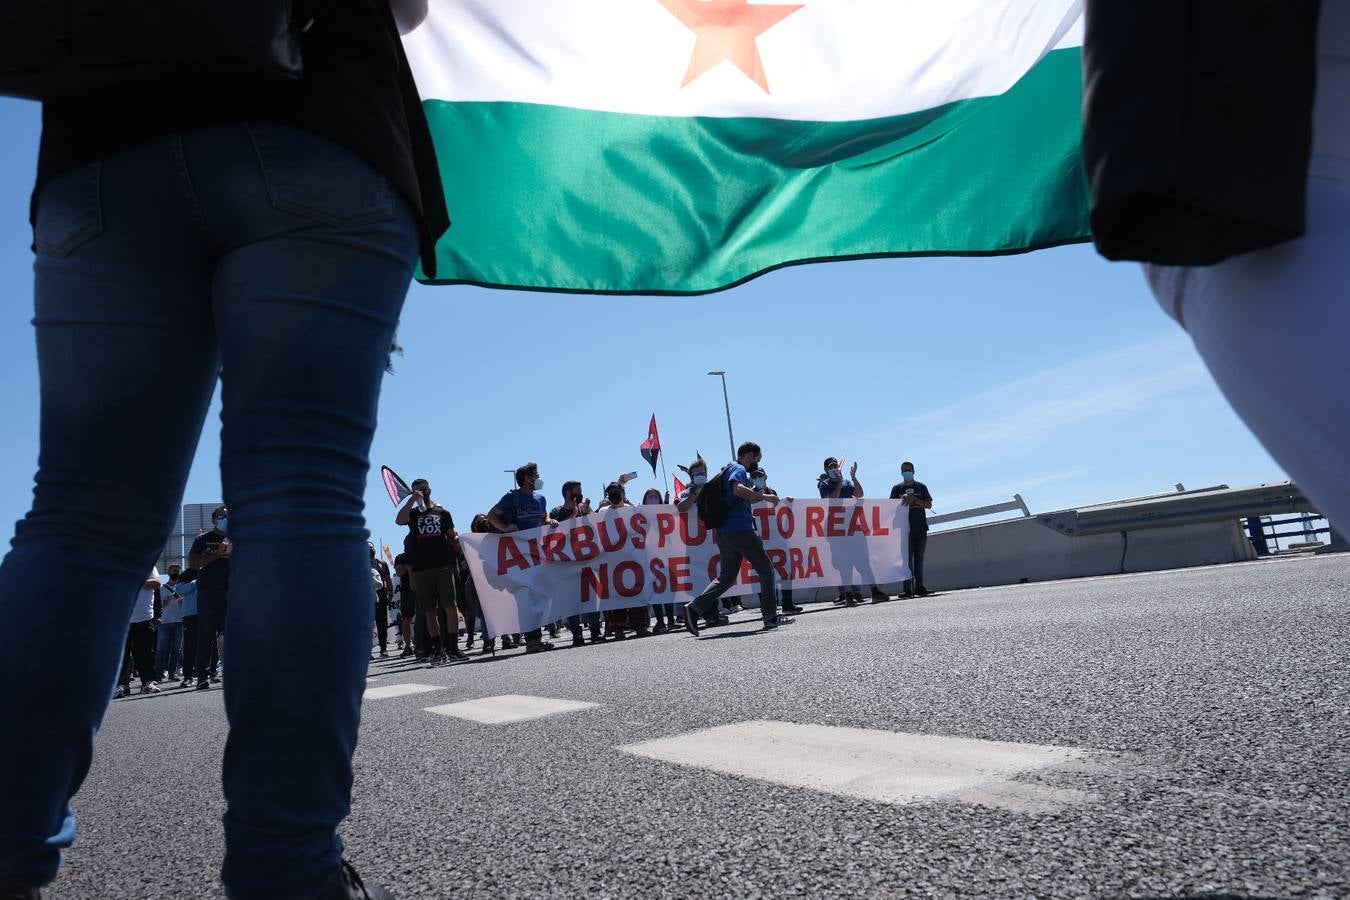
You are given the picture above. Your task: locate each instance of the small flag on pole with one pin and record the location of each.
(651, 447)
(679, 486)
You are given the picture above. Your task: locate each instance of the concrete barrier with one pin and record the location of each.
(1024, 550)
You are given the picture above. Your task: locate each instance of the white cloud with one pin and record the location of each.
(1033, 408)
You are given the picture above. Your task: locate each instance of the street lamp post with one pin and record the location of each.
(726, 400)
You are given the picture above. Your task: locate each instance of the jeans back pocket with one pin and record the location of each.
(69, 211)
(313, 177)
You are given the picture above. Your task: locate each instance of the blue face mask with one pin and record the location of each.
(761, 482)
(222, 522)
(907, 475)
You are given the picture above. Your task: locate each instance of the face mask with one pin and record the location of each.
(761, 482)
(907, 475)
(834, 474)
(701, 479)
(652, 501)
(173, 576)
(538, 484)
(222, 522)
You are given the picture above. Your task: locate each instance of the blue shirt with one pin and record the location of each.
(523, 509)
(189, 594)
(827, 487)
(738, 514)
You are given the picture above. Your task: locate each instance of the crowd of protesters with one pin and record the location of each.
(428, 606)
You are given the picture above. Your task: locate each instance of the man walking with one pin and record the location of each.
(431, 529)
(140, 652)
(519, 510)
(210, 556)
(187, 589)
(738, 539)
(575, 505)
(169, 639)
(914, 494)
(384, 592)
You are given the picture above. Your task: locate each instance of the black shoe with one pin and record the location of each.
(384, 654)
(203, 685)
(923, 591)
(347, 885)
(458, 654)
(691, 619)
(490, 646)
(850, 602)
(776, 621)
(539, 647)
(715, 620)
(597, 638)
(578, 641)
(791, 608)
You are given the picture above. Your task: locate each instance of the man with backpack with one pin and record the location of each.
(724, 505)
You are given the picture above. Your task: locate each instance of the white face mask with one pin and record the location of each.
(222, 522)
(834, 474)
(761, 482)
(539, 484)
(700, 479)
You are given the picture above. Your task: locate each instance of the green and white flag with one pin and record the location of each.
(687, 145)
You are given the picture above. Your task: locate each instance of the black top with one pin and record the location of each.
(918, 516)
(356, 91)
(428, 542)
(562, 513)
(215, 577)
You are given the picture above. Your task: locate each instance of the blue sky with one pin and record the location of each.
(1052, 374)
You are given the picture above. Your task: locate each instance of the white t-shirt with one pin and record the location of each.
(144, 609)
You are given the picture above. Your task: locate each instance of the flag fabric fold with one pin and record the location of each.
(683, 146)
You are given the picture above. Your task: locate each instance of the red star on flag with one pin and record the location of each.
(727, 30)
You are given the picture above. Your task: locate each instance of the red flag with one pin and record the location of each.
(651, 447)
(679, 486)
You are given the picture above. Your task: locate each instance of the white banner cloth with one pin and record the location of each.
(652, 554)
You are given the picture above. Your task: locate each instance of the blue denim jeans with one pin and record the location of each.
(168, 648)
(278, 262)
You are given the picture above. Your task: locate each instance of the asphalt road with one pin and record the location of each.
(1212, 707)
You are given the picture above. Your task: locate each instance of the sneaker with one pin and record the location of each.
(346, 884)
(203, 685)
(776, 621)
(539, 647)
(458, 654)
(215, 679)
(850, 602)
(923, 591)
(792, 608)
(716, 620)
(185, 682)
(122, 691)
(384, 654)
(489, 646)
(437, 660)
(691, 619)
(150, 688)
(597, 638)
(659, 628)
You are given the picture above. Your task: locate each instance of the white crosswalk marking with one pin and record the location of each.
(399, 690)
(508, 708)
(881, 766)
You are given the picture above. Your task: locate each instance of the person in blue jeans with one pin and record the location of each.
(271, 235)
(169, 637)
(737, 540)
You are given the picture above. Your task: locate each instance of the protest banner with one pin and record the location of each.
(638, 555)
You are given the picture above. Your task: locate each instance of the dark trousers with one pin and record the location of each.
(734, 547)
(140, 653)
(210, 623)
(918, 542)
(382, 624)
(189, 646)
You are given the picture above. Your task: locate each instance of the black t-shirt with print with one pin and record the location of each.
(215, 577)
(918, 516)
(428, 543)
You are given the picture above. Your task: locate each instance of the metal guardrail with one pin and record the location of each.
(1017, 503)
(1183, 508)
